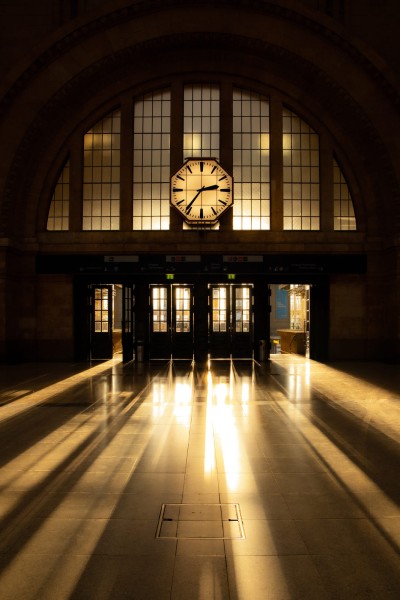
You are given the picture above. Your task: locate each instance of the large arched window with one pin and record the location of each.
(240, 122)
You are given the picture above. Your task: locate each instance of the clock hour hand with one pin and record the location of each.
(202, 189)
(208, 187)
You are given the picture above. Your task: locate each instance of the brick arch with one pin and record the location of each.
(83, 29)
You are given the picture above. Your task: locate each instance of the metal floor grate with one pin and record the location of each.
(200, 521)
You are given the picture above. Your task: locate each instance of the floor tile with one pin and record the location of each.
(200, 547)
(334, 505)
(274, 537)
(274, 578)
(305, 483)
(259, 506)
(342, 536)
(359, 576)
(155, 484)
(200, 577)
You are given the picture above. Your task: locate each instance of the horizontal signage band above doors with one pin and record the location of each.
(122, 259)
(243, 258)
(180, 258)
(206, 263)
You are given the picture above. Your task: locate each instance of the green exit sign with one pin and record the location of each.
(231, 275)
(170, 275)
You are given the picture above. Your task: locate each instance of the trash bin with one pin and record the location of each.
(139, 351)
(262, 351)
(275, 344)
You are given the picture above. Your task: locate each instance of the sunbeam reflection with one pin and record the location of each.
(219, 404)
(209, 450)
(182, 402)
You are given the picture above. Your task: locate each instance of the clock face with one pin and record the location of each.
(201, 191)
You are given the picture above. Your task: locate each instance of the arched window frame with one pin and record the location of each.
(276, 166)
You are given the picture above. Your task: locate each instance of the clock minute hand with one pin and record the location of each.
(191, 202)
(202, 189)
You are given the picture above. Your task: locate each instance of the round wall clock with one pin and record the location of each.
(201, 191)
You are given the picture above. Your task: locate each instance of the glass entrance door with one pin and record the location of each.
(220, 321)
(231, 321)
(171, 321)
(242, 321)
(101, 322)
(160, 322)
(182, 321)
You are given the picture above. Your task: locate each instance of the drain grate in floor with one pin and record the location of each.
(200, 521)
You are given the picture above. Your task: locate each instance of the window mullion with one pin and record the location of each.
(276, 150)
(326, 183)
(76, 184)
(225, 142)
(126, 165)
(176, 143)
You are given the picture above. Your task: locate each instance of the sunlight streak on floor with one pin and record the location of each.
(41, 396)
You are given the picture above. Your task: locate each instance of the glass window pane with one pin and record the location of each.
(201, 121)
(58, 215)
(100, 181)
(251, 140)
(344, 217)
(301, 167)
(151, 162)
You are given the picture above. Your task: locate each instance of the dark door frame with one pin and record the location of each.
(319, 302)
(171, 320)
(234, 336)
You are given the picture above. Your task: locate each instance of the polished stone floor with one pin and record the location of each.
(228, 480)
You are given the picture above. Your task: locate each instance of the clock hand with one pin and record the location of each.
(208, 187)
(202, 189)
(191, 202)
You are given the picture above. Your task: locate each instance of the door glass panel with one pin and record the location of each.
(219, 306)
(182, 310)
(101, 300)
(159, 300)
(230, 321)
(242, 310)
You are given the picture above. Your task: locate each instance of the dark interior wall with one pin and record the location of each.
(25, 24)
